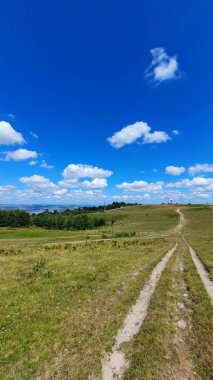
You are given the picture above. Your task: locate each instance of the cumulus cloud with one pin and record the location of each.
(197, 181)
(9, 136)
(174, 170)
(156, 137)
(141, 186)
(44, 165)
(60, 192)
(201, 168)
(96, 183)
(73, 171)
(70, 183)
(20, 155)
(130, 198)
(88, 195)
(163, 67)
(38, 183)
(6, 188)
(133, 132)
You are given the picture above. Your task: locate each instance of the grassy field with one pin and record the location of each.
(199, 232)
(62, 304)
(141, 219)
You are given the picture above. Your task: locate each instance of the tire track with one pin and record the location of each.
(198, 264)
(201, 271)
(114, 365)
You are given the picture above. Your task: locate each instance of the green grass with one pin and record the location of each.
(200, 339)
(141, 219)
(61, 305)
(162, 350)
(199, 233)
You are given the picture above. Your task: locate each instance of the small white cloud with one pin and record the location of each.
(174, 170)
(34, 135)
(32, 163)
(44, 165)
(133, 132)
(163, 67)
(154, 170)
(73, 171)
(201, 168)
(156, 137)
(20, 155)
(8, 135)
(176, 132)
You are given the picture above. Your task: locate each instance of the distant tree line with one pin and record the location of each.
(89, 209)
(14, 218)
(62, 221)
(77, 219)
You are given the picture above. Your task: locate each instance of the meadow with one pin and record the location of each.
(64, 295)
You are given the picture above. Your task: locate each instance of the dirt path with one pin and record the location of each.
(114, 365)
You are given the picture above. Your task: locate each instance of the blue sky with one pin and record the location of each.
(106, 100)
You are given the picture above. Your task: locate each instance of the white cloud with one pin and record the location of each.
(163, 67)
(20, 155)
(73, 171)
(70, 183)
(201, 168)
(60, 192)
(156, 137)
(8, 135)
(130, 198)
(32, 163)
(34, 135)
(187, 183)
(6, 188)
(44, 165)
(176, 132)
(38, 183)
(201, 195)
(96, 183)
(133, 132)
(141, 186)
(174, 170)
